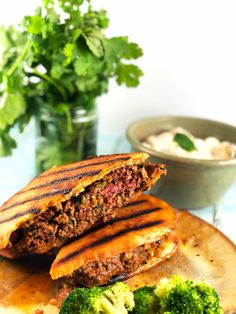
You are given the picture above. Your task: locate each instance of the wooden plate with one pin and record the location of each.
(204, 253)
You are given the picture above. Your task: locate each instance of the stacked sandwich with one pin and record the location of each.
(95, 214)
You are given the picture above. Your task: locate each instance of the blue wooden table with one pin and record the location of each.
(18, 169)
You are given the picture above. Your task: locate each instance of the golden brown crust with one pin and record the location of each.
(145, 220)
(57, 185)
(167, 250)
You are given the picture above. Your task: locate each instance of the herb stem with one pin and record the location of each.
(9, 38)
(20, 57)
(52, 82)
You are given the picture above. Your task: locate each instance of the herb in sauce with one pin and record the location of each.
(184, 142)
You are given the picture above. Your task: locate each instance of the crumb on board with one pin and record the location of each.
(189, 241)
(39, 311)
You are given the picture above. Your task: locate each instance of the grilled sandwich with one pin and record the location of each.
(66, 201)
(140, 236)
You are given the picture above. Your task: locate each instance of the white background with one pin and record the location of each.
(189, 58)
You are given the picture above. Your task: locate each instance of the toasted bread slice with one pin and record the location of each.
(143, 221)
(59, 184)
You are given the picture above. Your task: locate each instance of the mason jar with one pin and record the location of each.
(64, 138)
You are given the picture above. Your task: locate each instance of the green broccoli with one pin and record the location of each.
(210, 298)
(117, 299)
(146, 302)
(179, 296)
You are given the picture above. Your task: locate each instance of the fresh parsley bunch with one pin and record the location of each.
(59, 58)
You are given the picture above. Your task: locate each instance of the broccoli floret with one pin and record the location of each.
(146, 302)
(116, 299)
(120, 299)
(209, 297)
(81, 300)
(179, 296)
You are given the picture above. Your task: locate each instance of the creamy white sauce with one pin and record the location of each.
(208, 148)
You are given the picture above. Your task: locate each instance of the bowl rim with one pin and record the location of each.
(178, 159)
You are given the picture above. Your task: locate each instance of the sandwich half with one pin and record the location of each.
(140, 236)
(66, 201)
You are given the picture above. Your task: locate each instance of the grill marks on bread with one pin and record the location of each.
(133, 226)
(68, 170)
(122, 232)
(55, 183)
(109, 238)
(30, 211)
(124, 264)
(60, 184)
(87, 164)
(96, 205)
(36, 198)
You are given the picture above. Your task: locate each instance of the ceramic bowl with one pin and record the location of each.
(189, 183)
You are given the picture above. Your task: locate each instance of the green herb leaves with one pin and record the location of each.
(94, 43)
(68, 52)
(184, 142)
(7, 143)
(60, 57)
(36, 25)
(12, 106)
(128, 74)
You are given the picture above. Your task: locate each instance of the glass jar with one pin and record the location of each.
(64, 138)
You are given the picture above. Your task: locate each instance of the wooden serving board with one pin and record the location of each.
(203, 253)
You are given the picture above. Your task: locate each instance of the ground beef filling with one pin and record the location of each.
(94, 206)
(101, 272)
